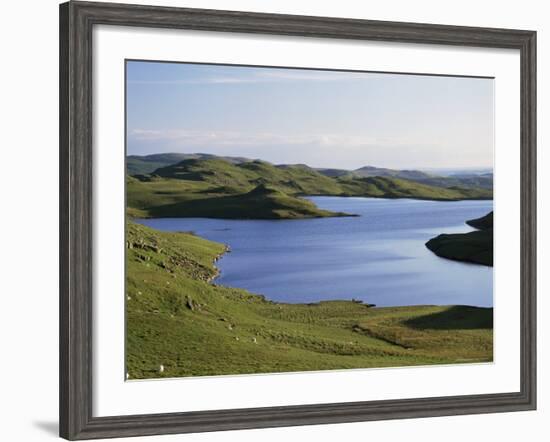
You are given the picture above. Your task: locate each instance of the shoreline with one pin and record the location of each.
(336, 214)
(227, 249)
(195, 328)
(214, 278)
(218, 272)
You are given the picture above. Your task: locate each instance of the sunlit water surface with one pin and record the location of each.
(378, 257)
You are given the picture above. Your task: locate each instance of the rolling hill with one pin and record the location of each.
(370, 171)
(389, 187)
(219, 188)
(142, 165)
(262, 202)
(484, 180)
(480, 181)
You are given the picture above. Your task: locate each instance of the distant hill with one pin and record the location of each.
(147, 164)
(303, 180)
(292, 179)
(219, 188)
(484, 180)
(475, 247)
(472, 175)
(142, 165)
(334, 172)
(370, 171)
(262, 202)
(390, 187)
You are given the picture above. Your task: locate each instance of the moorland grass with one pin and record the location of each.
(178, 318)
(218, 188)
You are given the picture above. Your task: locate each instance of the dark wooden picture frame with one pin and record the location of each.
(77, 20)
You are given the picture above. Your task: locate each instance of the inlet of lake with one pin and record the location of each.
(379, 257)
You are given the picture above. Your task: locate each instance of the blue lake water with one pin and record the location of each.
(378, 257)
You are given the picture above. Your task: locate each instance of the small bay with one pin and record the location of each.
(378, 257)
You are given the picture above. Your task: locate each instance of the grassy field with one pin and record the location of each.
(262, 202)
(388, 187)
(220, 188)
(178, 319)
(147, 164)
(475, 247)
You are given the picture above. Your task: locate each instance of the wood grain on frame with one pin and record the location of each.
(76, 165)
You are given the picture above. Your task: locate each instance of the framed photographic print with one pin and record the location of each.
(271, 220)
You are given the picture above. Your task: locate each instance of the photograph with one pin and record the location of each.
(284, 219)
(274, 221)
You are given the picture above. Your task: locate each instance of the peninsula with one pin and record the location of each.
(475, 247)
(230, 187)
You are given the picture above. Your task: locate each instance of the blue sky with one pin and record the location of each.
(320, 118)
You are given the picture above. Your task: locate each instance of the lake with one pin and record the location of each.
(378, 257)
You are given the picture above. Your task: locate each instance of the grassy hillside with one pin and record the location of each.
(222, 189)
(475, 247)
(187, 198)
(484, 181)
(177, 319)
(479, 181)
(386, 187)
(296, 179)
(262, 202)
(371, 171)
(145, 164)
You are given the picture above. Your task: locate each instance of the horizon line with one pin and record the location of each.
(421, 168)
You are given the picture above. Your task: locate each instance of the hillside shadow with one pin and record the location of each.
(458, 317)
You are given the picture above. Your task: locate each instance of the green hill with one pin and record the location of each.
(145, 164)
(296, 179)
(333, 172)
(219, 188)
(484, 181)
(371, 171)
(475, 247)
(178, 319)
(388, 187)
(262, 202)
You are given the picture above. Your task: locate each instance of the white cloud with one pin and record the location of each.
(185, 137)
(320, 150)
(316, 150)
(267, 76)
